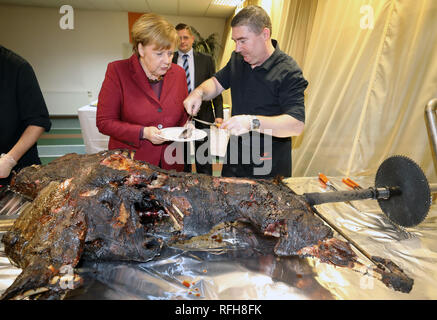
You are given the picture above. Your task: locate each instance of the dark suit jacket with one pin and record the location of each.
(204, 68)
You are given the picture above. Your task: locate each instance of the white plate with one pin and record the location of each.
(173, 134)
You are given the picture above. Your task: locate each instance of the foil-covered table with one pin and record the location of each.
(234, 270)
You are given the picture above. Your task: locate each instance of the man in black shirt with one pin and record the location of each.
(267, 88)
(24, 114)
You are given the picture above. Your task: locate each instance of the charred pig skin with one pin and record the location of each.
(107, 206)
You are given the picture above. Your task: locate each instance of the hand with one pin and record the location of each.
(193, 101)
(237, 125)
(218, 122)
(153, 135)
(6, 165)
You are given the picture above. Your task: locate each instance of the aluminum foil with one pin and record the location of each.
(236, 264)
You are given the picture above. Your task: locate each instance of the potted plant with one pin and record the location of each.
(209, 45)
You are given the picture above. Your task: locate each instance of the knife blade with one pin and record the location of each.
(207, 123)
(326, 181)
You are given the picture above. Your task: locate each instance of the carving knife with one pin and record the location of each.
(351, 183)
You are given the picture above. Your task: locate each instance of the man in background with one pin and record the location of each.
(198, 68)
(24, 114)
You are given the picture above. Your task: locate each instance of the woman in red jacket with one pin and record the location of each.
(144, 94)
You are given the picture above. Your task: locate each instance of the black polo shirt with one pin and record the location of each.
(274, 88)
(21, 104)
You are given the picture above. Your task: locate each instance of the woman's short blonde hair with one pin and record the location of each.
(151, 28)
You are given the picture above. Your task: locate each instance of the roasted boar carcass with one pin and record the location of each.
(107, 206)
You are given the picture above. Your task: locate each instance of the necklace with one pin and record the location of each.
(155, 80)
(149, 77)
(158, 78)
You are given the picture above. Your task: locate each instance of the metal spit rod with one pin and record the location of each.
(342, 196)
(431, 121)
(316, 198)
(352, 242)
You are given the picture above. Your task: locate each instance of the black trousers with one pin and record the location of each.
(202, 153)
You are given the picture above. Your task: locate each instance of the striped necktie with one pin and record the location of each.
(187, 71)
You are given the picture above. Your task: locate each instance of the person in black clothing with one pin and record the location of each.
(24, 114)
(200, 68)
(267, 89)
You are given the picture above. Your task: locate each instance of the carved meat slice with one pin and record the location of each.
(107, 206)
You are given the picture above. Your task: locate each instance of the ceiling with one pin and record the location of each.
(196, 8)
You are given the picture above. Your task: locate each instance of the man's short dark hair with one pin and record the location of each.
(254, 17)
(183, 26)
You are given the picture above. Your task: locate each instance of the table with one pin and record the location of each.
(96, 142)
(93, 139)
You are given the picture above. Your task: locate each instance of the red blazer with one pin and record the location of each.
(127, 103)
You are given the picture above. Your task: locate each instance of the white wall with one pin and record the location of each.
(70, 64)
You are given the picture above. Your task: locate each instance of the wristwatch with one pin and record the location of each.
(254, 124)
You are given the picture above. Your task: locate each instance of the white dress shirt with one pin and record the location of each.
(190, 65)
